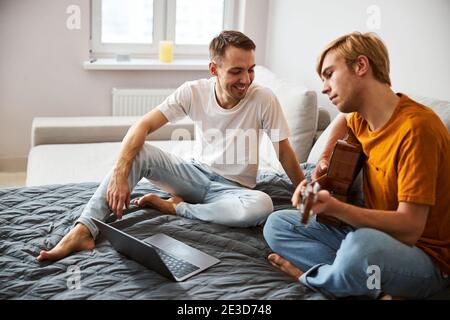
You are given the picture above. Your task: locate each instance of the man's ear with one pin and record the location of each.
(212, 68)
(362, 65)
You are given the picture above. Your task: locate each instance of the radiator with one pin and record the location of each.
(137, 102)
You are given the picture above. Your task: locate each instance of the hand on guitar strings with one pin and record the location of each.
(309, 197)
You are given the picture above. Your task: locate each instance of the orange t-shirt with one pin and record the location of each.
(408, 160)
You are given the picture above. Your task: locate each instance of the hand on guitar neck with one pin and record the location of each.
(321, 169)
(335, 175)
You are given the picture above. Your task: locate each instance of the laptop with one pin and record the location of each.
(169, 257)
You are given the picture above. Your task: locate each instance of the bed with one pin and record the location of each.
(34, 218)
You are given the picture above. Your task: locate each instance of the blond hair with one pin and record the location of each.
(227, 38)
(353, 45)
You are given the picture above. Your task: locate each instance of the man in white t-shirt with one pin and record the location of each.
(230, 115)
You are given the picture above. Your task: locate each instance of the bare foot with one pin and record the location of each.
(78, 239)
(165, 206)
(282, 264)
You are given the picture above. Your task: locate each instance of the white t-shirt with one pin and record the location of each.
(227, 140)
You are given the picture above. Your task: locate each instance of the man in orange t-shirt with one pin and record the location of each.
(399, 245)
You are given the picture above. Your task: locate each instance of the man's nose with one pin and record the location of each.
(245, 78)
(326, 88)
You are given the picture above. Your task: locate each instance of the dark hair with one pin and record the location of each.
(227, 38)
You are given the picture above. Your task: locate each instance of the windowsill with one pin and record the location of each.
(146, 64)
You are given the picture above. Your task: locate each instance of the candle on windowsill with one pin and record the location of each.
(166, 51)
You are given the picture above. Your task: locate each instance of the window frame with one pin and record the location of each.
(164, 17)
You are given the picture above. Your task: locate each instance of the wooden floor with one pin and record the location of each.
(12, 179)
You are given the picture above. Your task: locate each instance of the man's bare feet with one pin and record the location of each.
(282, 264)
(78, 239)
(165, 206)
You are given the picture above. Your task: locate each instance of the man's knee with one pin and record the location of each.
(247, 210)
(253, 208)
(275, 229)
(361, 248)
(260, 208)
(150, 156)
(148, 151)
(265, 204)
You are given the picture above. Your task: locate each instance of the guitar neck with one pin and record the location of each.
(345, 163)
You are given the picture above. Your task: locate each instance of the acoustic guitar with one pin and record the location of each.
(344, 165)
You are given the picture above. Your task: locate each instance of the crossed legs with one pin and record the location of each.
(347, 262)
(197, 193)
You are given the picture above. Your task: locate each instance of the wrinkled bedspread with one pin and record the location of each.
(36, 218)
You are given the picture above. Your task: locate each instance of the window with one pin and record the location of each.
(197, 21)
(136, 27)
(127, 23)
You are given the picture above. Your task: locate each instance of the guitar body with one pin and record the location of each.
(344, 165)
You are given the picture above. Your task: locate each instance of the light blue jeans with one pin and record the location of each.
(342, 262)
(207, 196)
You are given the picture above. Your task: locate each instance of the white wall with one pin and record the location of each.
(41, 73)
(253, 22)
(41, 70)
(416, 32)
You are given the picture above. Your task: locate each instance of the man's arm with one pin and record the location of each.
(118, 193)
(406, 224)
(289, 162)
(337, 132)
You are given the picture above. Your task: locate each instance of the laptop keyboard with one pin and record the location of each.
(178, 267)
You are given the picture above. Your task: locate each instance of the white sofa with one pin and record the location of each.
(84, 149)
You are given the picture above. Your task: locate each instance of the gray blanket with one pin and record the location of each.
(36, 218)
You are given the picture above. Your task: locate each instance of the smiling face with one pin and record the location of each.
(235, 73)
(341, 83)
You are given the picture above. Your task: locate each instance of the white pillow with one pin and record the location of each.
(299, 106)
(319, 146)
(441, 107)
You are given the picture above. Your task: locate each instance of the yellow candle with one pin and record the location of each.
(166, 51)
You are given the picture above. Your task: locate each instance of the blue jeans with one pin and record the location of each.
(340, 262)
(207, 195)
